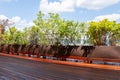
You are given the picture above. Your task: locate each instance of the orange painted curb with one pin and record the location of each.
(109, 67)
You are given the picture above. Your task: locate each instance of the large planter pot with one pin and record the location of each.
(15, 49)
(110, 52)
(1, 47)
(6, 48)
(21, 49)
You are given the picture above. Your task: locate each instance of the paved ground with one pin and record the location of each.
(21, 69)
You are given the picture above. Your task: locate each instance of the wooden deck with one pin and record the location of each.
(24, 68)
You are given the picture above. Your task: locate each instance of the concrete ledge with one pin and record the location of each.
(109, 67)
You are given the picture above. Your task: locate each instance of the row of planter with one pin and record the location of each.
(111, 52)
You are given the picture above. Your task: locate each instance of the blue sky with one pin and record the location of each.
(26, 9)
(22, 12)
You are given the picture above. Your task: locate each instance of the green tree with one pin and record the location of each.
(99, 31)
(48, 28)
(83, 27)
(55, 30)
(41, 25)
(13, 36)
(70, 32)
(33, 35)
(114, 35)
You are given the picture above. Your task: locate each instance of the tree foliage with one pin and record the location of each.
(51, 29)
(103, 31)
(55, 30)
(13, 36)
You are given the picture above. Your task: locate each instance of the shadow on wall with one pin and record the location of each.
(111, 52)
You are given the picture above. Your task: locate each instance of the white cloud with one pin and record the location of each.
(110, 17)
(70, 5)
(21, 23)
(95, 4)
(2, 17)
(5, 21)
(60, 6)
(16, 21)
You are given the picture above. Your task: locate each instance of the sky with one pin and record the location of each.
(22, 12)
